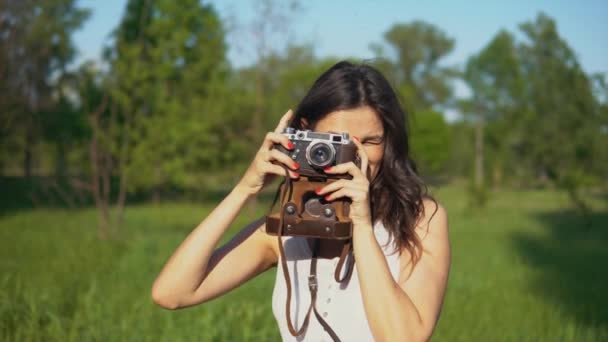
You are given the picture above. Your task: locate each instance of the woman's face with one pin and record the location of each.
(363, 123)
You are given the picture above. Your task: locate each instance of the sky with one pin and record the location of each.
(347, 28)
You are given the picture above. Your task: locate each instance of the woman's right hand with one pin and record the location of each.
(263, 168)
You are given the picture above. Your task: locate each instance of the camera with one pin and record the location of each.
(315, 151)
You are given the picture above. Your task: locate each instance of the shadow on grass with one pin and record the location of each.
(570, 263)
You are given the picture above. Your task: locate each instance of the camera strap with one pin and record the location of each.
(286, 194)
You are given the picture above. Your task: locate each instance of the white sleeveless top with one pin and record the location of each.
(341, 305)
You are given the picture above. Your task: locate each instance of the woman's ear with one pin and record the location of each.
(304, 123)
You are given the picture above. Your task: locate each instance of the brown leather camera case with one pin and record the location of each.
(304, 213)
(300, 222)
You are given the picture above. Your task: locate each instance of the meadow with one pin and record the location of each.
(525, 268)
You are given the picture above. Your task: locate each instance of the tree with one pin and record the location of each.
(561, 115)
(534, 108)
(496, 82)
(35, 49)
(430, 141)
(167, 63)
(93, 104)
(418, 46)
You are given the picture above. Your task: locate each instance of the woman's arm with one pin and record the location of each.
(195, 273)
(185, 279)
(406, 310)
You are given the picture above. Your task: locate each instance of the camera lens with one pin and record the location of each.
(320, 154)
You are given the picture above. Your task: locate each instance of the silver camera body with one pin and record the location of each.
(315, 151)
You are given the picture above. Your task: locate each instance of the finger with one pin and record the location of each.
(276, 138)
(284, 121)
(331, 187)
(283, 158)
(277, 170)
(362, 155)
(349, 168)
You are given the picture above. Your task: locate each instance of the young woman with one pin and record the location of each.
(400, 234)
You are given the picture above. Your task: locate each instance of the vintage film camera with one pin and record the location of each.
(304, 213)
(315, 151)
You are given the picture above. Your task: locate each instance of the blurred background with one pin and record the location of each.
(124, 122)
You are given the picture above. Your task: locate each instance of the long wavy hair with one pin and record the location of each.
(397, 191)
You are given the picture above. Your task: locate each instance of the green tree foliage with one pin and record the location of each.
(168, 71)
(461, 150)
(495, 78)
(561, 113)
(170, 112)
(289, 77)
(544, 123)
(285, 77)
(430, 137)
(35, 48)
(559, 104)
(418, 47)
(412, 65)
(600, 86)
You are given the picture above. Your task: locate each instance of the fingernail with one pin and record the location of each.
(327, 169)
(290, 145)
(318, 191)
(296, 165)
(327, 198)
(296, 175)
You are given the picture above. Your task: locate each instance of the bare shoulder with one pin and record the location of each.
(433, 220)
(432, 230)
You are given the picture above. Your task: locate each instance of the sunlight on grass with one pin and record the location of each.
(523, 270)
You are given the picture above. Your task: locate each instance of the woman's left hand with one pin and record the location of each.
(357, 188)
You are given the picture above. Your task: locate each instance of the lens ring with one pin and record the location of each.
(318, 145)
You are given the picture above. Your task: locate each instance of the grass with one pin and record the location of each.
(524, 269)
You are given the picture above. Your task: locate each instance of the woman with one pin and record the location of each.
(394, 294)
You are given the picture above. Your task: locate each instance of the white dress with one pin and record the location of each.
(340, 305)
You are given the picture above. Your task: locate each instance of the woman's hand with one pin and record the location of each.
(357, 189)
(264, 166)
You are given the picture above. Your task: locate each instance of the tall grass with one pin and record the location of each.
(524, 269)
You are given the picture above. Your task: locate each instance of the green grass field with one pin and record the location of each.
(524, 269)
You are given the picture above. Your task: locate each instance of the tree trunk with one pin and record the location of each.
(157, 188)
(27, 160)
(497, 175)
(122, 173)
(102, 209)
(98, 173)
(479, 169)
(60, 161)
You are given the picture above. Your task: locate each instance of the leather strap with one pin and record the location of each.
(349, 270)
(312, 277)
(290, 326)
(312, 285)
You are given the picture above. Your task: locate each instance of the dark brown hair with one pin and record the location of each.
(397, 191)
